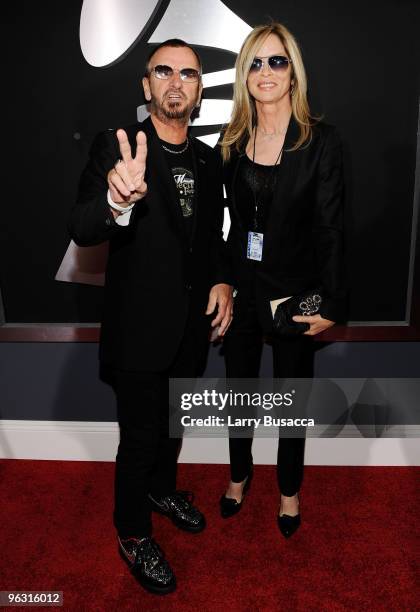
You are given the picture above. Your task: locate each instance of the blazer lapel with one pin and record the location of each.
(235, 162)
(199, 171)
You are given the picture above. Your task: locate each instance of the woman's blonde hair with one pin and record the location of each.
(244, 113)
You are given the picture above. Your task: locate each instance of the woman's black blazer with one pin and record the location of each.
(303, 238)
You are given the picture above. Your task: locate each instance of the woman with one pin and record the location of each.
(284, 184)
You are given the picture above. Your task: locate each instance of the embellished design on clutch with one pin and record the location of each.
(310, 305)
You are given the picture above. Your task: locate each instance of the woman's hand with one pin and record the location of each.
(316, 322)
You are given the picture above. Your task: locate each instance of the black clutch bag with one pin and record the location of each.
(305, 304)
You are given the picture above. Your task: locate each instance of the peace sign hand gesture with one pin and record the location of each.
(126, 179)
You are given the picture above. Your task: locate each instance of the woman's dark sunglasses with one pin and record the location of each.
(190, 75)
(277, 63)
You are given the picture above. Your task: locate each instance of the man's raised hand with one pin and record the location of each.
(126, 179)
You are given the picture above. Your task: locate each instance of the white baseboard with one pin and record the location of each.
(97, 441)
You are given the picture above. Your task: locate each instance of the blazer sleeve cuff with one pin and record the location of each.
(334, 309)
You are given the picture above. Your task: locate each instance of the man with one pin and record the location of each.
(156, 195)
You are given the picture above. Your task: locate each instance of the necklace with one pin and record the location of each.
(177, 152)
(272, 135)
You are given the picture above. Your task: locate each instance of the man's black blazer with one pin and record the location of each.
(303, 238)
(155, 275)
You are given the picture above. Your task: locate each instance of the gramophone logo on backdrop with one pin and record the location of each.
(109, 29)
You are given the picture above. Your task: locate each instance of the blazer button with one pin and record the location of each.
(108, 221)
(188, 287)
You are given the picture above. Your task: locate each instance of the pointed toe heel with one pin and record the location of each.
(288, 524)
(228, 506)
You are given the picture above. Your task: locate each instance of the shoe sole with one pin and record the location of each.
(156, 590)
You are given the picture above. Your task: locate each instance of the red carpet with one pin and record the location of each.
(357, 547)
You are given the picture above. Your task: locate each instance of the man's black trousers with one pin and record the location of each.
(146, 461)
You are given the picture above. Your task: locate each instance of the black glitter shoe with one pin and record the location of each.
(148, 564)
(178, 507)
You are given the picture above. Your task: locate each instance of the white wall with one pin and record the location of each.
(96, 441)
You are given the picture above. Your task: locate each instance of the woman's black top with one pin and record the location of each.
(255, 183)
(254, 189)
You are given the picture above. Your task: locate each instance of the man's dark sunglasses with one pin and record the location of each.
(190, 75)
(277, 63)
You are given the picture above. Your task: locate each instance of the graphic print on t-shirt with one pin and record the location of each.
(184, 180)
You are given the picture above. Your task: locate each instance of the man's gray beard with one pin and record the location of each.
(163, 113)
(174, 113)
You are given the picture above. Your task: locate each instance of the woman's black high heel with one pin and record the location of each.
(288, 524)
(228, 506)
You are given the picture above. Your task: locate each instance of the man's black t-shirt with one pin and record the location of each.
(179, 158)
